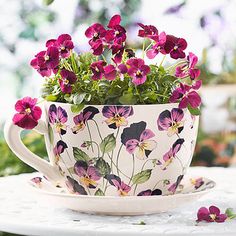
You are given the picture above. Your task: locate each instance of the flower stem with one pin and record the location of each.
(117, 159)
(90, 136)
(143, 52)
(163, 59)
(132, 169)
(97, 129)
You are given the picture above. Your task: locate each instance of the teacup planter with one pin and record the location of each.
(139, 137)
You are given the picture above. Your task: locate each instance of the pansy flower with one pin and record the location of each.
(198, 182)
(59, 149)
(74, 187)
(188, 68)
(110, 72)
(148, 31)
(117, 115)
(172, 121)
(80, 120)
(137, 70)
(122, 188)
(28, 113)
(58, 117)
(171, 154)
(137, 141)
(37, 181)
(186, 95)
(89, 175)
(175, 185)
(211, 215)
(150, 192)
(175, 46)
(97, 69)
(67, 79)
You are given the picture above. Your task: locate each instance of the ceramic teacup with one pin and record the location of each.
(109, 150)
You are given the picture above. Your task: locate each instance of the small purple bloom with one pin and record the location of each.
(97, 69)
(110, 72)
(117, 115)
(74, 187)
(80, 120)
(150, 192)
(175, 185)
(58, 117)
(37, 181)
(59, 149)
(211, 215)
(137, 70)
(67, 79)
(172, 121)
(88, 174)
(148, 31)
(136, 139)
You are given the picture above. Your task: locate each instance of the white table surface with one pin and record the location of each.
(21, 212)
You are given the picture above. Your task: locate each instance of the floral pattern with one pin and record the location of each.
(59, 149)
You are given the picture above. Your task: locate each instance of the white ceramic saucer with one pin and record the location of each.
(190, 189)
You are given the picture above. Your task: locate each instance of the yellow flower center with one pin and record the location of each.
(97, 69)
(138, 72)
(66, 81)
(176, 47)
(63, 48)
(117, 32)
(213, 216)
(95, 35)
(46, 58)
(28, 110)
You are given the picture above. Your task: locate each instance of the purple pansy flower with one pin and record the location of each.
(158, 46)
(148, 31)
(175, 185)
(74, 187)
(28, 113)
(137, 70)
(211, 215)
(89, 175)
(188, 68)
(171, 154)
(175, 46)
(186, 95)
(67, 79)
(136, 138)
(198, 182)
(59, 149)
(172, 121)
(97, 69)
(122, 188)
(110, 72)
(80, 120)
(117, 49)
(150, 192)
(58, 117)
(117, 115)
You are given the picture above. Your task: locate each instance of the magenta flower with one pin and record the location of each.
(97, 69)
(59, 149)
(89, 175)
(158, 47)
(175, 185)
(58, 117)
(110, 72)
(67, 79)
(211, 215)
(186, 95)
(137, 141)
(171, 154)
(28, 113)
(80, 120)
(74, 187)
(150, 192)
(137, 70)
(188, 68)
(172, 121)
(175, 46)
(117, 115)
(122, 188)
(148, 31)
(117, 52)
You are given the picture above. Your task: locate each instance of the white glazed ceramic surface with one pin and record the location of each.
(190, 189)
(114, 150)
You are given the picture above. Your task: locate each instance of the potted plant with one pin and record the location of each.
(113, 125)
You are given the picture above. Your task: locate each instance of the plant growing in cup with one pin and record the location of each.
(113, 125)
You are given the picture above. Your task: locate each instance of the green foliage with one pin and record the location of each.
(80, 155)
(142, 176)
(103, 167)
(108, 143)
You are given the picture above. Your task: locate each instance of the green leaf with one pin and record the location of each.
(127, 99)
(48, 2)
(80, 155)
(76, 108)
(51, 98)
(99, 192)
(50, 134)
(142, 176)
(230, 213)
(103, 167)
(194, 111)
(108, 143)
(78, 98)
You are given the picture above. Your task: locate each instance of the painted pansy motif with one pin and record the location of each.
(150, 192)
(74, 187)
(58, 117)
(198, 182)
(58, 149)
(122, 188)
(171, 154)
(117, 115)
(89, 175)
(172, 121)
(80, 120)
(175, 185)
(37, 181)
(136, 139)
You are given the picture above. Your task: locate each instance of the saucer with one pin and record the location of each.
(190, 189)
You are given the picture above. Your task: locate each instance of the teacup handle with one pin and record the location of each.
(13, 139)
